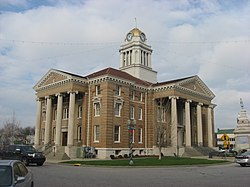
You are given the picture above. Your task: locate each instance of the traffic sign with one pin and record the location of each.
(225, 137)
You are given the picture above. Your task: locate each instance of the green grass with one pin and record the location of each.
(166, 161)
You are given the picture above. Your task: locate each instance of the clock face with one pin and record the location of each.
(129, 36)
(143, 37)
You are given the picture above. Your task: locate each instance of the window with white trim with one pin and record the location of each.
(79, 133)
(97, 90)
(97, 108)
(141, 97)
(54, 114)
(80, 111)
(161, 114)
(132, 111)
(117, 133)
(96, 133)
(65, 113)
(118, 107)
(140, 114)
(132, 95)
(140, 135)
(118, 89)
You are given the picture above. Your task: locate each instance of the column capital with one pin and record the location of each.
(72, 91)
(212, 106)
(188, 101)
(39, 99)
(59, 94)
(200, 104)
(48, 97)
(173, 97)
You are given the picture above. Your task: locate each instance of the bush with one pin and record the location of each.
(112, 157)
(125, 156)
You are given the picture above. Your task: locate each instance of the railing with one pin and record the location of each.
(47, 148)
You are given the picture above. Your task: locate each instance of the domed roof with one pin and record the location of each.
(136, 31)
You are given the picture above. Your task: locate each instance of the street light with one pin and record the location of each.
(131, 128)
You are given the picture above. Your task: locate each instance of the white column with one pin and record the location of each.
(38, 121)
(149, 60)
(209, 126)
(48, 120)
(199, 125)
(187, 122)
(121, 59)
(133, 57)
(174, 137)
(59, 119)
(71, 119)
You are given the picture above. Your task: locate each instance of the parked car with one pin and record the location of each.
(15, 173)
(26, 153)
(243, 158)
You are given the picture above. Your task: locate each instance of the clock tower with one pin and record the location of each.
(135, 56)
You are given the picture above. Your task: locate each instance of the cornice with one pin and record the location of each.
(60, 83)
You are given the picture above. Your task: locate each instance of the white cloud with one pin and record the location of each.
(182, 34)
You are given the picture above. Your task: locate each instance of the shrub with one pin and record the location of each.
(125, 156)
(112, 157)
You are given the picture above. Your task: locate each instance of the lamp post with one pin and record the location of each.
(131, 128)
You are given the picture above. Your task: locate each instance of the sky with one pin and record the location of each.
(208, 38)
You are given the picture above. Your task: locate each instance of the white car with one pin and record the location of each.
(243, 158)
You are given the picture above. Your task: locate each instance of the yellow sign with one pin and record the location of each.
(225, 137)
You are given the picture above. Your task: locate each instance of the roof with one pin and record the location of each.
(172, 81)
(136, 31)
(118, 74)
(225, 131)
(6, 162)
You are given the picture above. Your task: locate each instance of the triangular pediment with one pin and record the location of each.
(196, 85)
(54, 76)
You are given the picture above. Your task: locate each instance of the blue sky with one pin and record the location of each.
(208, 38)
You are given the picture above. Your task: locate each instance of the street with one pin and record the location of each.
(56, 175)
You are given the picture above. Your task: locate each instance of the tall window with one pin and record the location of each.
(44, 116)
(132, 95)
(97, 108)
(79, 133)
(96, 133)
(161, 114)
(80, 111)
(117, 134)
(140, 114)
(54, 134)
(65, 113)
(140, 135)
(55, 114)
(132, 111)
(140, 97)
(118, 109)
(118, 90)
(97, 90)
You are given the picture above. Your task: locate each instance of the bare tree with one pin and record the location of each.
(162, 123)
(11, 131)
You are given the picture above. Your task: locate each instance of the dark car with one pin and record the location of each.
(15, 173)
(26, 153)
(243, 158)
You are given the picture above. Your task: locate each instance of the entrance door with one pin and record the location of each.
(64, 138)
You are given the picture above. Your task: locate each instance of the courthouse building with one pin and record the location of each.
(76, 111)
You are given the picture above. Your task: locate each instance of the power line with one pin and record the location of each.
(112, 43)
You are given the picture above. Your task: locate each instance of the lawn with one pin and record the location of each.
(166, 161)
